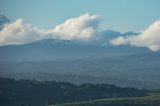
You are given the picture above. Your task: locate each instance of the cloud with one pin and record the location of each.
(150, 38)
(19, 32)
(82, 27)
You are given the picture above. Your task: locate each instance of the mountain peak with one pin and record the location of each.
(3, 20)
(130, 33)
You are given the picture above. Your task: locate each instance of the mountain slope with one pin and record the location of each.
(51, 49)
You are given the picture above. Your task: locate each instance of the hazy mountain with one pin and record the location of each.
(78, 62)
(130, 33)
(3, 20)
(110, 34)
(53, 49)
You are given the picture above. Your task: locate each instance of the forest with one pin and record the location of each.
(41, 93)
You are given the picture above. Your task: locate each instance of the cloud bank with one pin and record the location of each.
(150, 38)
(19, 32)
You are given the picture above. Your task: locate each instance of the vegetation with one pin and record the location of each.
(151, 100)
(41, 93)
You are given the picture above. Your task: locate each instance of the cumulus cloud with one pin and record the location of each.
(19, 32)
(82, 27)
(150, 38)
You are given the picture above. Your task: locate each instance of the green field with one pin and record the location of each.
(150, 100)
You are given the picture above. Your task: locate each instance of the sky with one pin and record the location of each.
(120, 15)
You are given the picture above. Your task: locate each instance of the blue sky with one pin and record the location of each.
(121, 15)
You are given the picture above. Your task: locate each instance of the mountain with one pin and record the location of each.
(130, 33)
(79, 62)
(110, 34)
(3, 20)
(53, 49)
(104, 36)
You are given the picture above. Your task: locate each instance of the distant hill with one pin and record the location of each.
(140, 71)
(40, 93)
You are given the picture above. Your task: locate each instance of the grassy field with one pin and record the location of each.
(150, 100)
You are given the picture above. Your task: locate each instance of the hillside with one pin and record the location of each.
(151, 100)
(139, 71)
(40, 93)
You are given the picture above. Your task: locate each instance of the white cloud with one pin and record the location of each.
(19, 33)
(81, 28)
(150, 38)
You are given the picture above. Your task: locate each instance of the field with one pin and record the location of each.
(150, 100)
